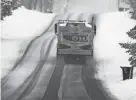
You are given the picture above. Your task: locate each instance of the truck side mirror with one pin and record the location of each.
(55, 28)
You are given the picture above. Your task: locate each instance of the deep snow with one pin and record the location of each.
(111, 30)
(24, 25)
(17, 32)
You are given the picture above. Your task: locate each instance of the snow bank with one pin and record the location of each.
(25, 23)
(125, 90)
(111, 30)
(17, 32)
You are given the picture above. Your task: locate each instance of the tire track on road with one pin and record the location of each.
(17, 73)
(94, 86)
(51, 92)
(37, 71)
(31, 81)
(5, 78)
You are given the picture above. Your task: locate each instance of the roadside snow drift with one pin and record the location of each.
(25, 24)
(111, 30)
(17, 32)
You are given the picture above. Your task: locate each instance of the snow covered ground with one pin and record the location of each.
(111, 29)
(17, 32)
(24, 25)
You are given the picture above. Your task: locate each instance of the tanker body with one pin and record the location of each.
(75, 37)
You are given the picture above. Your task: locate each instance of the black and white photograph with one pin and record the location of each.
(68, 50)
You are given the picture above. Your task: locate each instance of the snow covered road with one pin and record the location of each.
(29, 78)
